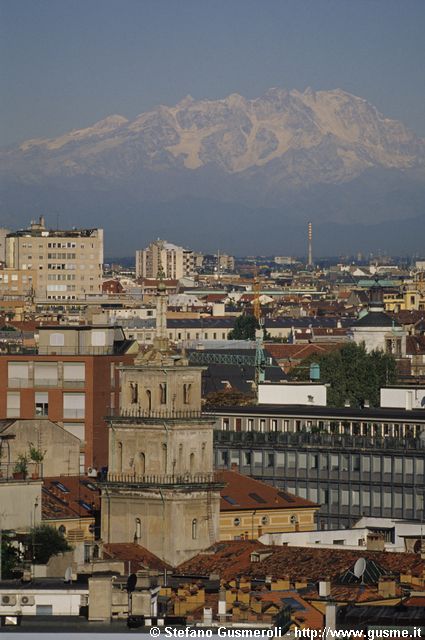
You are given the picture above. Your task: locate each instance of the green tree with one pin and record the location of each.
(9, 558)
(45, 542)
(244, 329)
(352, 374)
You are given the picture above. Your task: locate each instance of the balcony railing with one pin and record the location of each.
(77, 350)
(138, 413)
(74, 413)
(46, 382)
(74, 384)
(19, 383)
(328, 440)
(30, 383)
(153, 480)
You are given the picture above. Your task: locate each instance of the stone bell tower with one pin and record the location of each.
(161, 491)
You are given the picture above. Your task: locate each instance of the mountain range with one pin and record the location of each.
(240, 174)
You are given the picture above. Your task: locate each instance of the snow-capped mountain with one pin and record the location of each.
(325, 155)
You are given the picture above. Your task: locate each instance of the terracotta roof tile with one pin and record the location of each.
(69, 497)
(233, 558)
(243, 492)
(137, 556)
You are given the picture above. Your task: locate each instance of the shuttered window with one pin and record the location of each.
(17, 373)
(13, 404)
(46, 374)
(74, 405)
(74, 371)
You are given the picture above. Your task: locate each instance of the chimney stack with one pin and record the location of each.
(310, 245)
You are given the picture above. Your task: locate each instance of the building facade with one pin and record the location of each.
(72, 379)
(352, 462)
(176, 262)
(68, 263)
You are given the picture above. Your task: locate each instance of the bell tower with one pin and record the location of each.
(161, 491)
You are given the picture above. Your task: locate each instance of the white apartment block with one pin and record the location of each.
(68, 263)
(176, 262)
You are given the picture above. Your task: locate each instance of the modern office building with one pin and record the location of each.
(68, 263)
(353, 462)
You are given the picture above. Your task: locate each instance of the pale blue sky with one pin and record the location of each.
(68, 63)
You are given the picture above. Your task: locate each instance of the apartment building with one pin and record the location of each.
(175, 261)
(68, 263)
(17, 283)
(72, 379)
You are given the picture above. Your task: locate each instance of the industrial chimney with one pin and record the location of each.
(310, 245)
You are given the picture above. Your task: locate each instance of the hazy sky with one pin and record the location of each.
(69, 63)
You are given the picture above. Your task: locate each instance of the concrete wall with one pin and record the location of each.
(17, 504)
(403, 398)
(309, 394)
(61, 447)
(65, 602)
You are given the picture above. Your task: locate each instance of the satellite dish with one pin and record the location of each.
(68, 574)
(359, 567)
(131, 582)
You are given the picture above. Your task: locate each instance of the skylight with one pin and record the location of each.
(61, 487)
(257, 498)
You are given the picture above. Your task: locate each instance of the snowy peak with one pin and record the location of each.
(284, 137)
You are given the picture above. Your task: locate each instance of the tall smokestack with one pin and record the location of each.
(310, 245)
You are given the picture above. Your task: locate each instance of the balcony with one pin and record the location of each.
(75, 350)
(316, 440)
(8, 472)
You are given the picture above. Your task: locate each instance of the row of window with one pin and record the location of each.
(44, 373)
(14, 277)
(339, 462)
(73, 404)
(292, 425)
(386, 498)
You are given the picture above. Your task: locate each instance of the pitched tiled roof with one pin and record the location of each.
(242, 492)
(302, 612)
(69, 497)
(137, 556)
(353, 593)
(233, 558)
